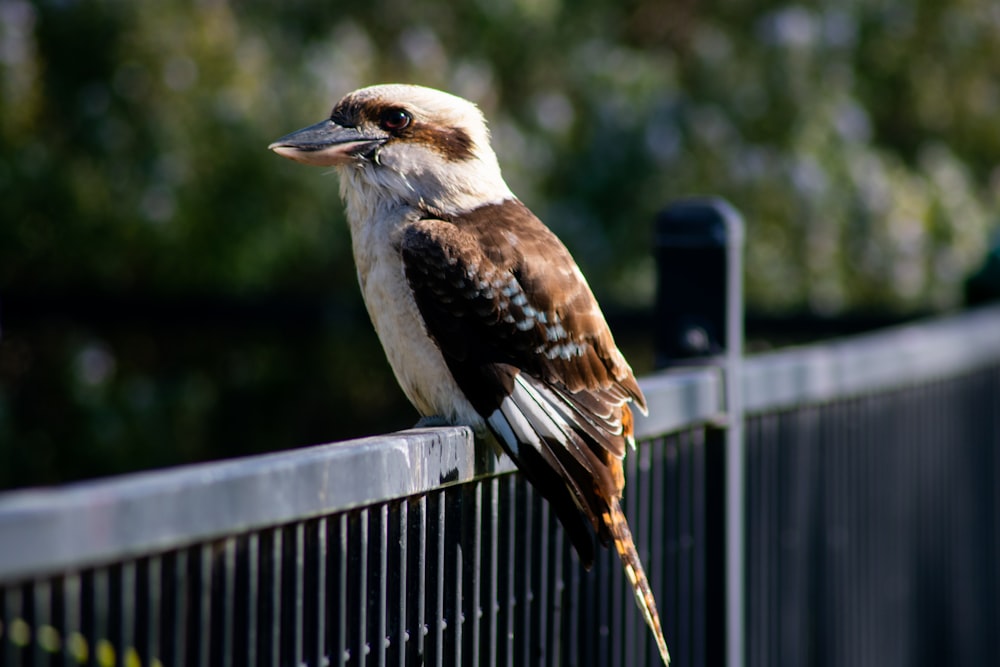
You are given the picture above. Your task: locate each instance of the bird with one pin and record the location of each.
(483, 314)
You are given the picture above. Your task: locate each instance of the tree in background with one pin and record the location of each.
(859, 140)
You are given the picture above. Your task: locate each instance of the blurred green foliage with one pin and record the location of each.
(858, 138)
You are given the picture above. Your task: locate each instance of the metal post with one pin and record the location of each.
(699, 320)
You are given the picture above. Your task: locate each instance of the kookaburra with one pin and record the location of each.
(486, 319)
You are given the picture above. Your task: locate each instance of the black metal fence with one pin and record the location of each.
(873, 526)
(866, 534)
(458, 563)
(873, 508)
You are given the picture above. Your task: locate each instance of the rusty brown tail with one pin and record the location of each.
(614, 519)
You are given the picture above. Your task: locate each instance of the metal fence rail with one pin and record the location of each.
(873, 514)
(873, 528)
(407, 549)
(467, 574)
(872, 535)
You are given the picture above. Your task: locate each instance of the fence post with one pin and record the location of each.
(699, 320)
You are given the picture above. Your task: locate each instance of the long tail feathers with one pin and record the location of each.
(614, 519)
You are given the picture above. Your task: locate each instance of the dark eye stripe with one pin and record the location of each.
(452, 142)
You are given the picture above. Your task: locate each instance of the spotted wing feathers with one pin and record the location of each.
(526, 341)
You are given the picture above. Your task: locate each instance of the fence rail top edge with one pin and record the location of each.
(45, 529)
(883, 360)
(678, 399)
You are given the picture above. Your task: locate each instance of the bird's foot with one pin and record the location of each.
(432, 421)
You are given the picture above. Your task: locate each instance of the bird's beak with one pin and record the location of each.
(325, 144)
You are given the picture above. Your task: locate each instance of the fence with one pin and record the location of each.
(867, 533)
(873, 508)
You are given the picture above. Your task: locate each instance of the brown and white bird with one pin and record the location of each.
(486, 319)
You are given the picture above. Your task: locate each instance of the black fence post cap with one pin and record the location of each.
(698, 246)
(699, 222)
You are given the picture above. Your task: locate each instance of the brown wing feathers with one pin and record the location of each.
(509, 310)
(525, 340)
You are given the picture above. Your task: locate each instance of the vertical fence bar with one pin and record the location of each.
(204, 633)
(14, 627)
(436, 619)
(253, 598)
(378, 572)
(396, 574)
(339, 626)
(560, 616)
(416, 612)
(72, 637)
(153, 586)
(100, 594)
(507, 594)
(297, 615)
(523, 575)
(319, 650)
(228, 606)
(735, 449)
(357, 583)
(127, 607)
(491, 629)
(41, 622)
(456, 565)
(472, 605)
(275, 565)
(539, 583)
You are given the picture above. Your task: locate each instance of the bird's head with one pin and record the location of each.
(403, 145)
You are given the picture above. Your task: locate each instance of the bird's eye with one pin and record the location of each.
(394, 120)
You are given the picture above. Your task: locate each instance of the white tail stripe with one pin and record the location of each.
(540, 411)
(513, 411)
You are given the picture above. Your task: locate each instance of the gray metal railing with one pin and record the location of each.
(46, 530)
(873, 511)
(412, 548)
(870, 514)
